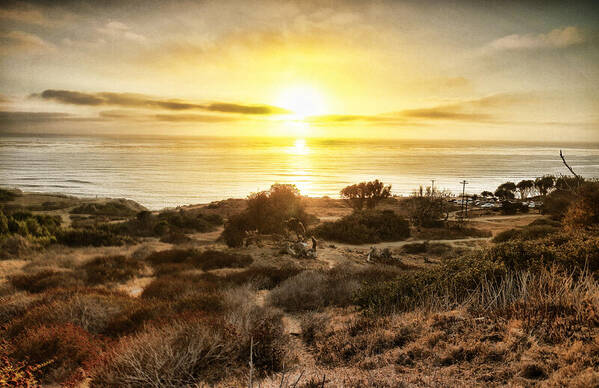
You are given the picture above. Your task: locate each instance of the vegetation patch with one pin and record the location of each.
(365, 227)
(111, 269)
(205, 260)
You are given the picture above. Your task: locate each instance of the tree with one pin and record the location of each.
(525, 187)
(544, 184)
(427, 207)
(367, 194)
(266, 212)
(506, 190)
(583, 212)
(486, 194)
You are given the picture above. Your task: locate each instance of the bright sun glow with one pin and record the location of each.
(302, 100)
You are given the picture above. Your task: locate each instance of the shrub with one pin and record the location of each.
(570, 251)
(169, 288)
(583, 212)
(182, 353)
(205, 260)
(17, 374)
(415, 247)
(93, 237)
(367, 194)
(90, 310)
(310, 290)
(43, 280)
(428, 207)
(111, 269)
(265, 277)
(7, 195)
(135, 317)
(534, 232)
(211, 259)
(170, 256)
(68, 348)
(446, 285)
(14, 246)
(116, 208)
(267, 213)
(197, 350)
(14, 306)
(365, 227)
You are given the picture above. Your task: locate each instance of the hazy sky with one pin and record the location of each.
(512, 70)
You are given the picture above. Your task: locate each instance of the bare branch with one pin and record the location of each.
(569, 168)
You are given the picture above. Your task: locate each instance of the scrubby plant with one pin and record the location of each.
(267, 212)
(205, 260)
(365, 227)
(529, 232)
(311, 290)
(65, 349)
(43, 280)
(211, 259)
(428, 207)
(96, 237)
(89, 309)
(366, 194)
(111, 269)
(114, 208)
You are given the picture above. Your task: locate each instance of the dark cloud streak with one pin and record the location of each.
(130, 100)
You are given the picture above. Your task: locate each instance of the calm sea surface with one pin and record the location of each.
(161, 172)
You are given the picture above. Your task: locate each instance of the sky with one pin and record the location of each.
(486, 70)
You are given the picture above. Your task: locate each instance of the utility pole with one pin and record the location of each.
(432, 184)
(464, 183)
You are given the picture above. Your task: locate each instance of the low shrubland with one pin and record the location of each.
(523, 310)
(365, 227)
(111, 269)
(64, 349)
(530, 232)
(200, 349)
(113, 208)
(205, 260)
(45, 279)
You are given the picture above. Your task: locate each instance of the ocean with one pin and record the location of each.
(163, 172)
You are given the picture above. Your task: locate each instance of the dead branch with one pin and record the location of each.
(569, 168)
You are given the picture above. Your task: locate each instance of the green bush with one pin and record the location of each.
(212, 259)
(446, 285)
(7, 195)
(264, 277)
(569, 251)
(365, 227)
(534, 232)
(90, 237)
(267, 213)
(112, 269)
(111, 208)
(205, 260)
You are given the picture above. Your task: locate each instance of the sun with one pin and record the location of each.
(302, 101)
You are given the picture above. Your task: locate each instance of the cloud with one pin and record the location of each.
(194, 118)
(11, 117)
(557, 38)
(24, 41)
(140, 116)
(441, 113)
(120, 30)
(473, 110)
(131, 100)
(23, 15)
